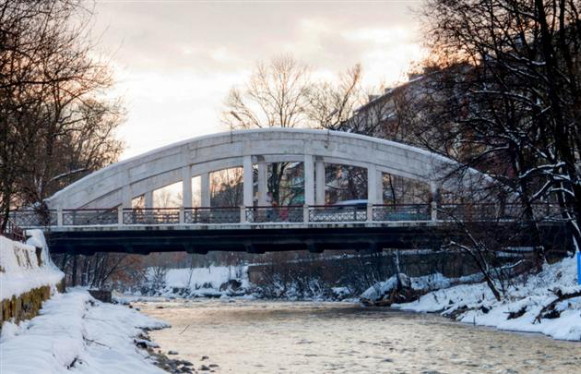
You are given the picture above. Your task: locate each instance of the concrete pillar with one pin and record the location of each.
(248, 195)
(148, 200)
(120, 215)
(187, 187)
(205, 195)
(59, 217)
(435, 191)
(309, 176)
(262, 183)
(374, 186)
(320, 182)
(126, 197)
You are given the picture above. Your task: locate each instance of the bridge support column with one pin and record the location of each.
(262, 183)
(320, 182)
(126, 197)
(59, 216)
(374, 186)
(205, 190)
(435, 191)
(248, 195)
(148, 200)
(120, 215)
(309, 176)
(186, 187)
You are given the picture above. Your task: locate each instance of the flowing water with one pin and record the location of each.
(308, 337)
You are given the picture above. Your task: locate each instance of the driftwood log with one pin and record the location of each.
(549, 310)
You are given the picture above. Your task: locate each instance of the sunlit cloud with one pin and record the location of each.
(166, 107)
(175, 62)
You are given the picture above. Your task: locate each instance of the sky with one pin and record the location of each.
(175, 61)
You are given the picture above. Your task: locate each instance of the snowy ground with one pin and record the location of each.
(203, 282)
(532, 295)
(75, 333)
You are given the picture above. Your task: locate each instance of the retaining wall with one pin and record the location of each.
(27, 277)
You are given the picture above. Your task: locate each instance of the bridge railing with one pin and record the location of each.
(215, 215)
(337, 213)
(87, 217)
(313, 214)
(151, 216)
(32, 218)
(402, 212)
(498, 212)
(264, 214)
(12, 231)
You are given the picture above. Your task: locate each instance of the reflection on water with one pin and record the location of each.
(307, 337)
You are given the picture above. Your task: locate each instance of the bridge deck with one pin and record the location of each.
(260, 229)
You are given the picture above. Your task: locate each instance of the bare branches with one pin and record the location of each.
(53, 117)
(275, 96)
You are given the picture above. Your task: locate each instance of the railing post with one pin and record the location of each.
(243, 214)
(305, 213)
(369, 212)
(434, 210)
(59, 217)
(120, 215)
(182, 215)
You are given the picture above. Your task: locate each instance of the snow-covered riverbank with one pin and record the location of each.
(74, 332)
(524, 301)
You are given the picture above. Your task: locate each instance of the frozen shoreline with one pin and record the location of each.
(74, 331)
(475, 304)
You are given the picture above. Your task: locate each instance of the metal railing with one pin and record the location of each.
(32, 218)
(151, 216)
(12, 231)
(311, 214)
(212, 215)
(499, 212)
(88, 217)
(337, 213)
(402, 212)
(264, 214)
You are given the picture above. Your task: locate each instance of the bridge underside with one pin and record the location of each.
(244, 240)
(268, 240)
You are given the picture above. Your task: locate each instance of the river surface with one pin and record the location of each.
(257, 337)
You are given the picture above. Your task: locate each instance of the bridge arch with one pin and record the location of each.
(118, 184)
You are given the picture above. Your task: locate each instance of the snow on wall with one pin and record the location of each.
(22, 270)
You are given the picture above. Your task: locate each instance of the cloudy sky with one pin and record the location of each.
(175, 61)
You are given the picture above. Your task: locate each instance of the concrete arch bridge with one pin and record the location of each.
(96, 212)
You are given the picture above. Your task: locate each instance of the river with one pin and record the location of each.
(243, 337)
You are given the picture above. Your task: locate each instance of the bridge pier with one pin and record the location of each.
(374, 185)
(309, 179)
(248, 182)
(205, 194)
(148, 199)
(320, 182)
(187, 186)
(262, 182)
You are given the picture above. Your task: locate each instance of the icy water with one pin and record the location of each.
(308, 337)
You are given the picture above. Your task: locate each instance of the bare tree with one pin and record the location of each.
(54, 123)
(520, 98)
(331, 104)
(275, 96)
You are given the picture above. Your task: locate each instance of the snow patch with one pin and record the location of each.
(75, 331)
(476, 304)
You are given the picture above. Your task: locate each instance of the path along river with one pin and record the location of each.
(308, 337)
